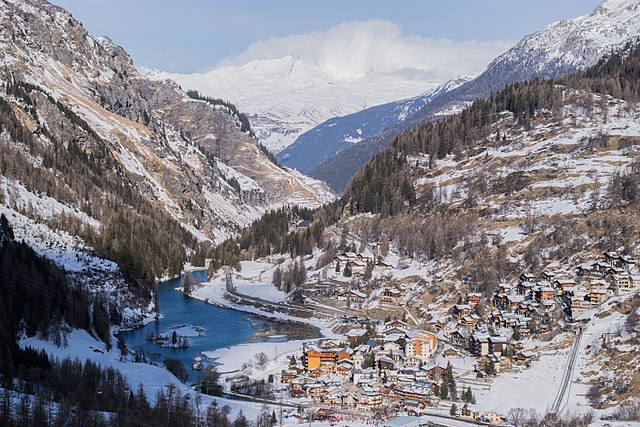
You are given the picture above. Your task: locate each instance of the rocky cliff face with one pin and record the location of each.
(183, 155)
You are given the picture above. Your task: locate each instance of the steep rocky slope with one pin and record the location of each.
(179, 154)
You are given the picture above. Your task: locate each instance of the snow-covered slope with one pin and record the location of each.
(96, 275)
(325, 140)
(559, 167)
(576, 43)
(166, 143)
(604, 352)
(152, 377)
(560, 48)
(287, 96)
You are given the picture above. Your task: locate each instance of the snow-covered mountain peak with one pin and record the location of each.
(450, 85)
(288, 67)
(560, 48)
(338, 133)
(579, 42)
(286, 96)
(617, 4)
(288, 85)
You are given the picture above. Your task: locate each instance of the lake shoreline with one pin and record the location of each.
(215, 294)
(225, 326)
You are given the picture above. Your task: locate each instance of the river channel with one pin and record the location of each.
(206, 327)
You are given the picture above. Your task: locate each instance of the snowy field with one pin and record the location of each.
(536, 387)
(231, 358)
(255, 279)
(563, 166)
(153, 378)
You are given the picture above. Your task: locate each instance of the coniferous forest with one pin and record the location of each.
(37, 299)
(385, 175)
(145, 241)
(275, 233)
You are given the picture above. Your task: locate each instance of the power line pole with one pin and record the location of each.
(281, 421)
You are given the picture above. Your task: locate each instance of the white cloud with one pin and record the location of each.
(352, 49)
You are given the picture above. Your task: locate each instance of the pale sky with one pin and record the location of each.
(195, 35)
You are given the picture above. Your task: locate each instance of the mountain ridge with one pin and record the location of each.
(148, 127)
(558, 49)
(275, 93)
(338, 133)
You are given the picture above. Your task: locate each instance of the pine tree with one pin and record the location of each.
(368, 361)
(277, 278)
(40, 413)
(264, 419)
(141, 398)
(187, 284)
(241, 420)
(214, 414)
(468, 395)
(451, 382)
(516, 334)
(347, 270)
(23, 410)
(384, 246)
(302, 273)
(343, 237)
(368, 272)
(444, 389)
(122, 346)
(8, 368)
(6, 405)
(101, 321)
(5, 229)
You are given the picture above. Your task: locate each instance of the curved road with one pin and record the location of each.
(232, 290)
(568, 375)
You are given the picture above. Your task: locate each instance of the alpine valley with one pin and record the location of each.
(159, 266)
(560, 48)
(285, 97)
